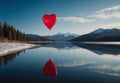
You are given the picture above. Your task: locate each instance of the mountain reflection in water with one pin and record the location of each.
(75, 63)
(96, 48)
(101, 49)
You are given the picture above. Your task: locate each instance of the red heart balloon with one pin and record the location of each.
(49, 20)
(50, 69)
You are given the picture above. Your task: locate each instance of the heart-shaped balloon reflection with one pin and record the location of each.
(49, 20)
(50, 69)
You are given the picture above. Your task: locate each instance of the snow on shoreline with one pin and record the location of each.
(6, 48)
(110, 43)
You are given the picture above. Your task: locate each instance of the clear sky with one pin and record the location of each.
(74, 16)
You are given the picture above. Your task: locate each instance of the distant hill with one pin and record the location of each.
(100, 35)
(34, 37)
(62, 36)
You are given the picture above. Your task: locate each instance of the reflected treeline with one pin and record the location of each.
(61, 46)
(57, 45)
(100, 48)
(4, 60)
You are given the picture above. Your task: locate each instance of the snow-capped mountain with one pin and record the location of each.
(98, 31)
(63, 36)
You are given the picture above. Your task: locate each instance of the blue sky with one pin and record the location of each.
(74, 16)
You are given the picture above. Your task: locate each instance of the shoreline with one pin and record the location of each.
(9, 48)
(103, 43)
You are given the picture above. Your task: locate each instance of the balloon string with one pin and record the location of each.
(49, 45)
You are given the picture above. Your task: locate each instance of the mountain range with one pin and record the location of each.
(100, 35)
(62, 36)
(96, 35)
(56, 37)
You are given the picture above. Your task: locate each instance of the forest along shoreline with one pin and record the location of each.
(12, 39)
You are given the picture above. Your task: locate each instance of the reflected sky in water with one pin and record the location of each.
(81, 63)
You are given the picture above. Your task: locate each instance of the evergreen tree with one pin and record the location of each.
(13, 32)
(1, 31)
(18, 35)
(9, 35)
(5, 30)
(24, 37)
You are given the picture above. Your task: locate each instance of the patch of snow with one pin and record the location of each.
(6, 48)
(67, 34)
(110, 43)
(98, 30)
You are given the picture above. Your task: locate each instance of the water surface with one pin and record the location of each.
(80, 63)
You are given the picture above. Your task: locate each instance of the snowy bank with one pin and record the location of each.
(103, 43)
(6, 48)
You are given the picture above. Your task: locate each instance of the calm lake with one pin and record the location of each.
(76, 63)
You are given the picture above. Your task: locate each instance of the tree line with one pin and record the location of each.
(9, 32)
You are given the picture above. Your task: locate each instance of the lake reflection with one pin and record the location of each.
(76, 63)
(50, 69)
(4, 60)
(101, 49)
